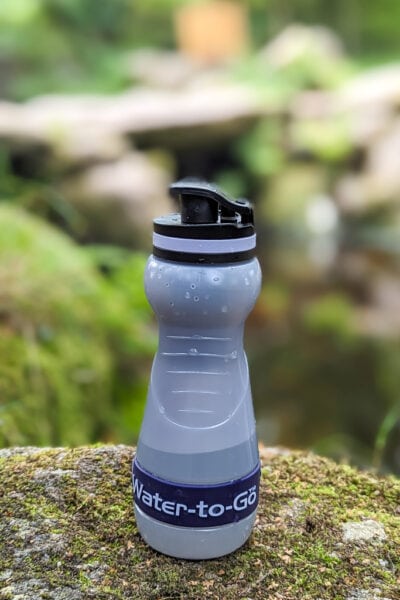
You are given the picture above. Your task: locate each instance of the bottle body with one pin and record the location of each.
(197, 456)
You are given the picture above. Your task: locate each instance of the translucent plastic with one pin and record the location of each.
(199, 425)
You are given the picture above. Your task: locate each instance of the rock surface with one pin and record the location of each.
(119, 200)
(58, 121)
(297, 41)
(68, 533)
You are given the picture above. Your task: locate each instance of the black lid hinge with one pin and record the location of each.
(203, 202)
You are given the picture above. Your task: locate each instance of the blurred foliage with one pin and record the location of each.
(291, 191)
(331, 314)
(75, 45)
(328, 141)
(261, 150)
(388, 369)
(81, 45)
(367, 27)
(325, 381)
(67, 336)
(32, 184)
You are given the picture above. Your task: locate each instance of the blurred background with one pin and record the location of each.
(295, 105)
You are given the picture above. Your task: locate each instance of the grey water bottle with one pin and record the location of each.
(196, 471)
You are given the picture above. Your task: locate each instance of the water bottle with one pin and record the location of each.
(196, 472)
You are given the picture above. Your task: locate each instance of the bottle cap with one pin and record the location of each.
(211, 227)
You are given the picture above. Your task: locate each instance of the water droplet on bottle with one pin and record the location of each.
(224, 309)
(215, 278)
(196, 298)
(167, 284)
(172, 304)
(247, 282)
(187, 295)
(193, 286)
(193, 351)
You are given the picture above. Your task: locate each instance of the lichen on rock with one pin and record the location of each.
(68, 533)
(365, 531)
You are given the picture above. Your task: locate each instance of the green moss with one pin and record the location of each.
(68, 338)
(83, 498)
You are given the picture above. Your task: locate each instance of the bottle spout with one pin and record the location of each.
(203, 202)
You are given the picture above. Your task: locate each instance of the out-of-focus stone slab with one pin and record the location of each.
(98, 125)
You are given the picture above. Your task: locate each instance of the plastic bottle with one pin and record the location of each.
(196, 471)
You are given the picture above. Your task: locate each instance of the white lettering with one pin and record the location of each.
(157, 501)
(147, 499)
(179, 507)
(240, 501)
(202, 506)
(138, 488)
(216, 510)
(252, 497)
(168, 507)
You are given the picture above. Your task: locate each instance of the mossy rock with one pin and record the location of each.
(323, 531)
(60, 324)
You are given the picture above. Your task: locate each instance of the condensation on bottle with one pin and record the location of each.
(196, 472)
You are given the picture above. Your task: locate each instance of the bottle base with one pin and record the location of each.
(196, 543)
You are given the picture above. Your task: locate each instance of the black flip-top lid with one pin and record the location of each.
(211, 227)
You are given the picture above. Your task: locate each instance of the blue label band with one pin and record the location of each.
(195, 505)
